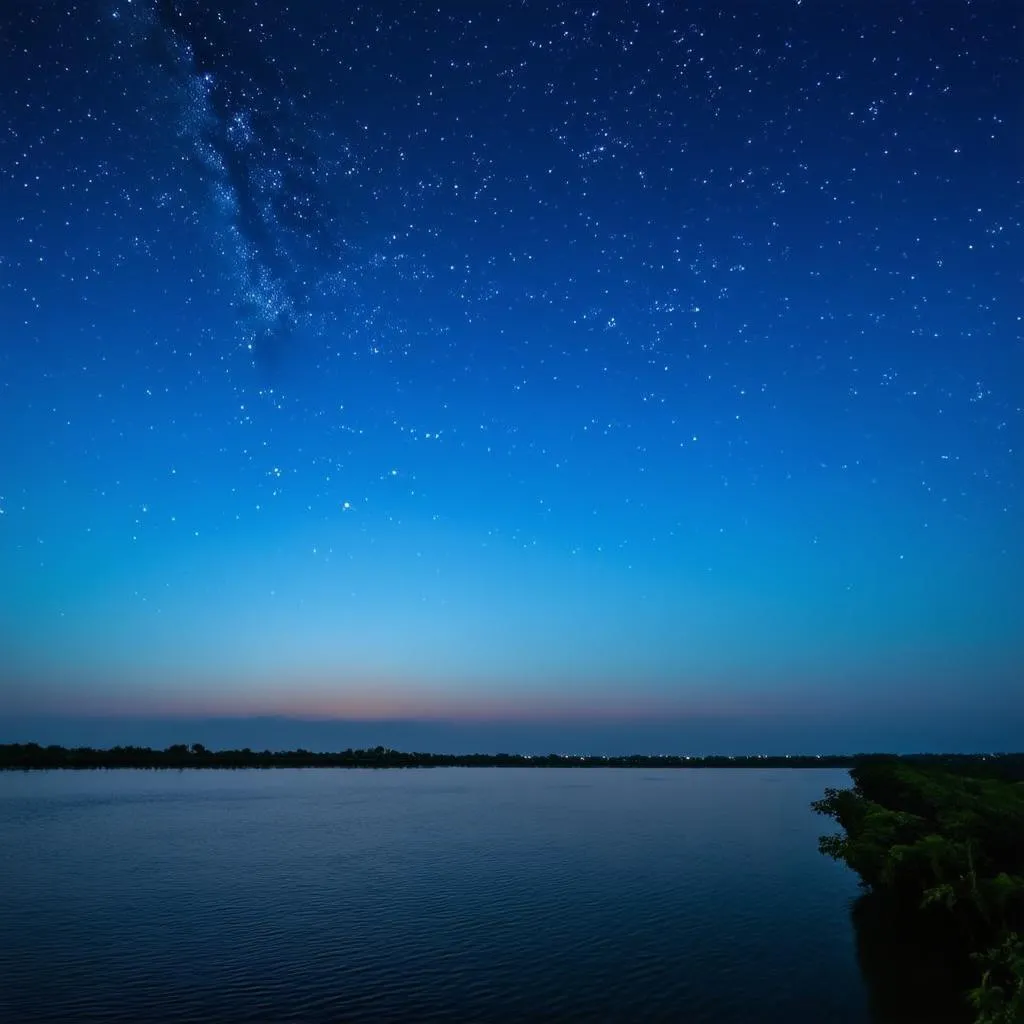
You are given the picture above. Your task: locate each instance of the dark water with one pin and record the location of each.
(448, 894)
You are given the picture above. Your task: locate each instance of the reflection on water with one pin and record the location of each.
(451, 894)
(915, 967)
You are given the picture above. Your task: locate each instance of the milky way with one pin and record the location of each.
(272, 215)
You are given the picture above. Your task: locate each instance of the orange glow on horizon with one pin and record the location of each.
(383, 702)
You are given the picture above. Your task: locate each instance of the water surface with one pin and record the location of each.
(443, 894)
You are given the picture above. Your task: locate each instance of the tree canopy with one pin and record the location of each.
(950, 846)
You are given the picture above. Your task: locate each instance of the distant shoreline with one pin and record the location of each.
(33, 756)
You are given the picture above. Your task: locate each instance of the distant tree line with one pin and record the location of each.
(944, 851)
(196, 755)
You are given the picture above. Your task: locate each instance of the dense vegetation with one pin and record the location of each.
(941, 850)
(181, 755)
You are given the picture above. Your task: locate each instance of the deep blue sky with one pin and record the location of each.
(619, 366)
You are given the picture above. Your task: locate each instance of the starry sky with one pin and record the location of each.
(605, 364)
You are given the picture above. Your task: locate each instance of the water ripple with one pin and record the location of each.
(451, 895)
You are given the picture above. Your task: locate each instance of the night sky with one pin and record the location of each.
(614, 366)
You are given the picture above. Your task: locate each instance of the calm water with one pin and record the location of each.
(447, 894)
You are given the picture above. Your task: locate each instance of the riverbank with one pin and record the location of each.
(29, 756)
(941, 854)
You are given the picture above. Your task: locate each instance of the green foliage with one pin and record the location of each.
(945, 843)
(944, 895)
(999, 999)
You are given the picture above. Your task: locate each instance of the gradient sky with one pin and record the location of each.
(617, 363)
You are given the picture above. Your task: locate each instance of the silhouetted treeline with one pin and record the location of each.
(941, 854)
(181, 755)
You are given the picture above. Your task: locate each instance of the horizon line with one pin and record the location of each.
(200, 749)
